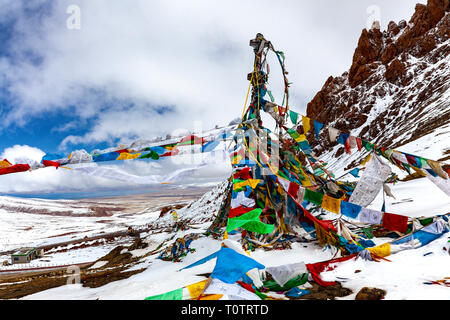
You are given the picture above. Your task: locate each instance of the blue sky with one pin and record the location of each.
(141, 69)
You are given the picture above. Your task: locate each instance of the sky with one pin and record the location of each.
(92, 74)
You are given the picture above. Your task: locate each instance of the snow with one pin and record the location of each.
(403, 277)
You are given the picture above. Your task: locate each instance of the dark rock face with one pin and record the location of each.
(395, 76)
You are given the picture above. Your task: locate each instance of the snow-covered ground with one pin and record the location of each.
(403, 277)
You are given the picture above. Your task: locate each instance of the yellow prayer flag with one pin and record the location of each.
(306, 124)
(211, 297)
(196, 289)
(366, 159)
(383, 250)
(128, 156)
(437, 168)
(4, 164)
(331, 204)
(250, 182)
(300, 138)
(236, 159)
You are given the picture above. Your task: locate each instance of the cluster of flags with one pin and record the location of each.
(243, 212)
(156, 152)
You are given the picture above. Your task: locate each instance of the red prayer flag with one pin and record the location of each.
(293, 189)
(316, 268)
(348, 148)
(359, 143)
(15, 168)
(48, 163)
(243, 174)
(236, 212)
(395, 222)
(172, 152)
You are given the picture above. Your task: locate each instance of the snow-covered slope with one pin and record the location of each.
(402, 278)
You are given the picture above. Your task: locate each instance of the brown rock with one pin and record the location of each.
(395, 71)
(368, 293)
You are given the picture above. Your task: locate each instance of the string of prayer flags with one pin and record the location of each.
(403, 160)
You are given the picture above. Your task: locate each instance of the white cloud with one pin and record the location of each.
(191, 55)
(22, 152)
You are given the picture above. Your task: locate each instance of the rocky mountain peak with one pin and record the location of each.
(398, 86)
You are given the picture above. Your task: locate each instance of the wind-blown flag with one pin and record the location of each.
(355, 172)
(371, 182)
(306, 124)
(230, 265)
(317, 127)
(294, 117)
(250, 221)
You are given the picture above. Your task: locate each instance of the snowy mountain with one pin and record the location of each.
(397, 90)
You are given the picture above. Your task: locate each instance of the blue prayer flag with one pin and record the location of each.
(350, 210)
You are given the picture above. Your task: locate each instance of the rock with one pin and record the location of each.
(368, 293)
(138, 244)
(382, 75)
(395, 71)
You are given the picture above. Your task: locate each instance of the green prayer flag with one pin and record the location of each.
(296, 281)
(250, 221)
(318, 171)
(314, 197)
(171, 295)
(294, 116)
(407, 167)
(368, 232)
(270, 95)
(152, 154)
(367, 145)
(293, 133)
(426, 221)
